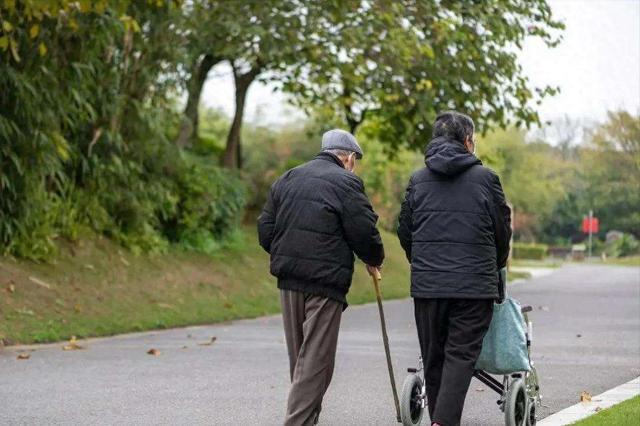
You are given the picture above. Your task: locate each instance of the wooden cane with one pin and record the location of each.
(385, 339)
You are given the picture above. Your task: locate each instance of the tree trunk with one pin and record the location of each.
(232, 153)
(352, 121)
(189, 124)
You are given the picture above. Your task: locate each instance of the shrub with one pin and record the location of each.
(209, 205)
(529, 251)
(626, 245)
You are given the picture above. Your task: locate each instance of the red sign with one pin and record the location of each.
(590, 225)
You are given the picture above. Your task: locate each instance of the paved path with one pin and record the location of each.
(242, 378)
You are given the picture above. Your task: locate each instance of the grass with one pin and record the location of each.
(96, 288)
(626, 413)
(517, 275)
(547, 263)
(623, 261)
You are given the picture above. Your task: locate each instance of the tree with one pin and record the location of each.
(398, 63)
(533, 174)
(258, 39)
(610, 169)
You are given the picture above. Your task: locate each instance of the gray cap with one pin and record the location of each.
(341, 139)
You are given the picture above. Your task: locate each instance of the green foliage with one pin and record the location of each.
(85, 127)
(532, 174)
(610, 173)
(626, 245)
(400, 62)
(209, 207)
(529, 251)
(385, 177)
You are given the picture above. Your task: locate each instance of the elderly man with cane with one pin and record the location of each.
(315, 218)
(455, 228)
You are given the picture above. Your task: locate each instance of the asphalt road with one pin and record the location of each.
(586, 337)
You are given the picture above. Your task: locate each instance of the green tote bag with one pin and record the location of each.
(504, 348)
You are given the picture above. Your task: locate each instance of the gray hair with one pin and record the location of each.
(454, 125)
(339, 152)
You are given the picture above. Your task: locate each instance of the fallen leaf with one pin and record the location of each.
(40, 283)
(72, 345)
(165, 306)
(123, 260)
(585, 397)
(24, 355)
(154, 352)
(11, 288)
(209, 343)
(89, 266)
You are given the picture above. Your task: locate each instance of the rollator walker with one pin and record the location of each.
(519, 391)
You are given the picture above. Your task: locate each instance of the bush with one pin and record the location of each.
(529, 251)
(626, 245)
(209, 205)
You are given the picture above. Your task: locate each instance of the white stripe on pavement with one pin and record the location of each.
(600, 402)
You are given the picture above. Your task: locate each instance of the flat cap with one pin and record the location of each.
(341, 139)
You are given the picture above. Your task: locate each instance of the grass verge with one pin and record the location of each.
(627, 413)
(96, 288)
(623, 261)
(549, 263)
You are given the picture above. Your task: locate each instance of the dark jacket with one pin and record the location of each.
(454, 225)
(316, 216)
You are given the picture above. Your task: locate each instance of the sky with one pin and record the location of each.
(597, 67)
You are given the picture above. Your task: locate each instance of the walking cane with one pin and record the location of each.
(385, 339)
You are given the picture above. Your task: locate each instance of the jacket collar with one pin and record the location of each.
(327, 156)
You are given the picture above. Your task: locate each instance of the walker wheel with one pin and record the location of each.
(516, 411)
(411, 410)
(531, 418)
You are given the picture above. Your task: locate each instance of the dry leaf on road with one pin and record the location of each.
(209, 343)
(154, 352)
(585, 397)
(24, 355)
(72, 345)
(11, 288)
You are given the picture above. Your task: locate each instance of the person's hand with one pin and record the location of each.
(374, 271)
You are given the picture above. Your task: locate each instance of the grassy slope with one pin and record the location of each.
(98, 288)
(626, 413)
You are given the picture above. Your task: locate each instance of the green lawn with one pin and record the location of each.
(626, 413)
(96, 288)
(548, 263)
(623, 261)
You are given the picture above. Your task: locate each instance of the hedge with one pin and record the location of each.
(529, 251)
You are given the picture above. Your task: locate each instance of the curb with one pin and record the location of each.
(583, 410)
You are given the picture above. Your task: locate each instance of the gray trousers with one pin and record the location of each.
(311, 325)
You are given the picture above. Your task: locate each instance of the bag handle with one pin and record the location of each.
(502, 285)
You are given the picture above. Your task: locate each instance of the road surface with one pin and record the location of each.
(586, 337)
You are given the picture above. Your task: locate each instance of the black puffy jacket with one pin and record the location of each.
(316, 216)
(454, 225)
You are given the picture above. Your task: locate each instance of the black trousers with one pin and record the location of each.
(450, 333)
